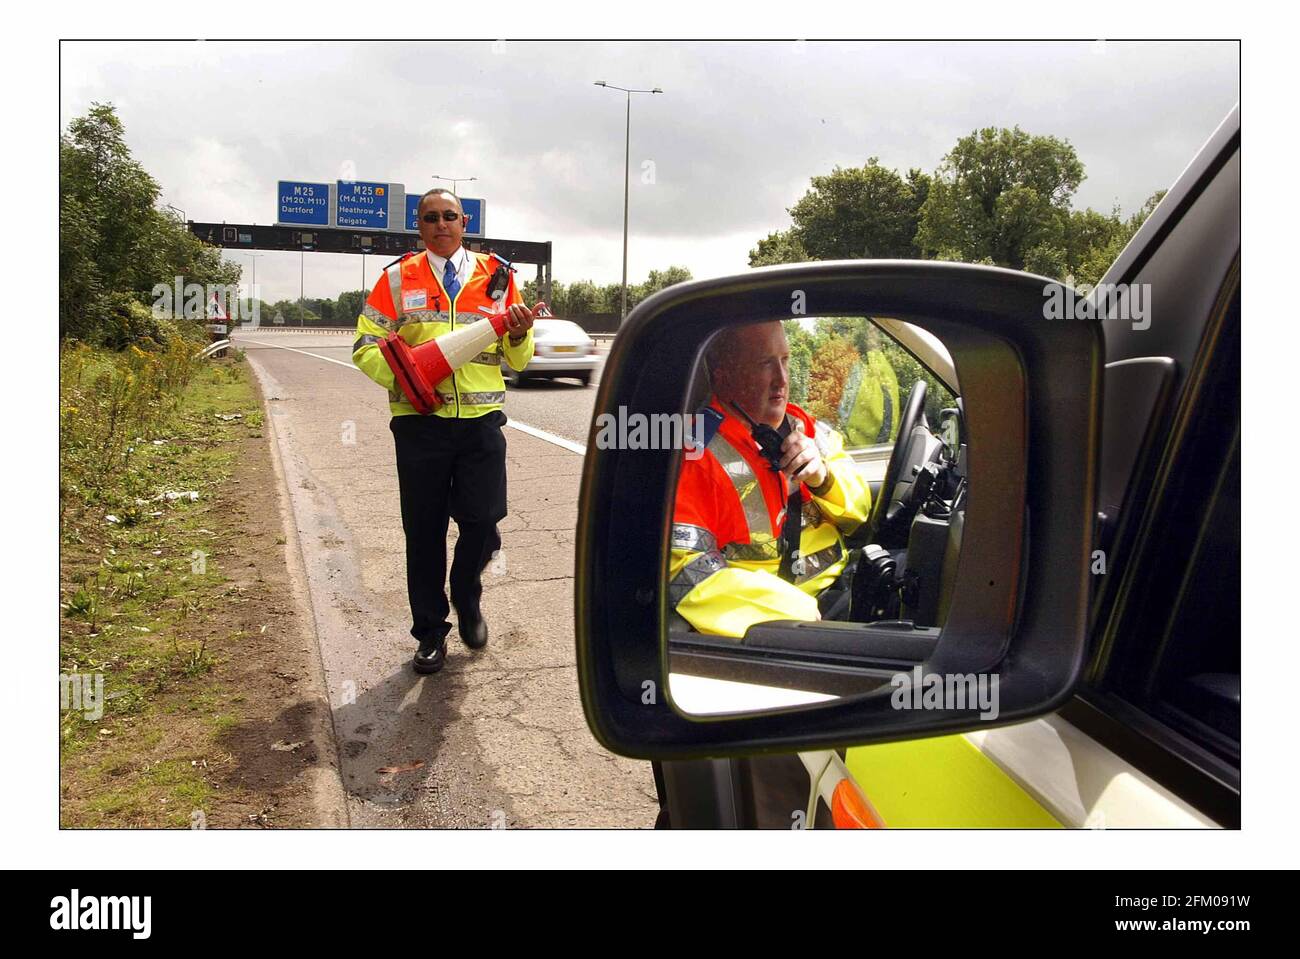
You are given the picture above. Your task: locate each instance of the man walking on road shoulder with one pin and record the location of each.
(451, 464)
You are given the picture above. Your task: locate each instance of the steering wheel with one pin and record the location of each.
(913, 410)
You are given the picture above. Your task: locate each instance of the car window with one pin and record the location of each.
(850, 373)
(1176, 648)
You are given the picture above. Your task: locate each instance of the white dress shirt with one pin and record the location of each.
(464, 264)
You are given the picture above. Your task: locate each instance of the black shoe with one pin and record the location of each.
(431, 656)
(473, 632)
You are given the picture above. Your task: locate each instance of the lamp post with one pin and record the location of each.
(254, 258)
(627, 148)
(454, 180)
(253, 295)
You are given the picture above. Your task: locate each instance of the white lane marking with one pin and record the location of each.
(559, 441)
(569, 445)
(276, 346)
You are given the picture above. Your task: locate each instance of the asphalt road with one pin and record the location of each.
(498, 737)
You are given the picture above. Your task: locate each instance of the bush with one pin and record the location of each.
(106, 400)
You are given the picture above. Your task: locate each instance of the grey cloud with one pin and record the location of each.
(735, 137)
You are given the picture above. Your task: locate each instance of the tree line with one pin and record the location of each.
(1000, 196)
(584, 296)
(115, 243)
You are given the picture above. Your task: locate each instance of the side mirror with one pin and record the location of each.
(1017, 595)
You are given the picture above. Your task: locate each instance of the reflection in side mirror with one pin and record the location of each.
(1027, 390)
(816, 527)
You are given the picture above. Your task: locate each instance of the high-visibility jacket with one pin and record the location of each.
(727, 524)
(868, 410)
(411, 300)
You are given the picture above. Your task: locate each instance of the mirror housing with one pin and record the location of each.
(1031, 387)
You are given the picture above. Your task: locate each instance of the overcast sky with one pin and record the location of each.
(734, 139)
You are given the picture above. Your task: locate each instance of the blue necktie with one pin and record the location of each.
(449, 281)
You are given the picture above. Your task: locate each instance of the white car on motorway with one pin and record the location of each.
(560, 348)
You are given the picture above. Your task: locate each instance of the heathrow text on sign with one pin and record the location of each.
(363, 205)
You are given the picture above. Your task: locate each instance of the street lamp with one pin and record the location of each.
(454, 180)
(627, 148)
(254, 258)
(253, 294)
(176, 209)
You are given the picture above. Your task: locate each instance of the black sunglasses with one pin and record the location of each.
(449, 215)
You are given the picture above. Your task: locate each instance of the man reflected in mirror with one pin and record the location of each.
(760, 519)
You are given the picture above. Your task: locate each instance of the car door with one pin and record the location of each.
(1152, 737)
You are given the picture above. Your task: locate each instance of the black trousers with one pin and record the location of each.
(449, 469)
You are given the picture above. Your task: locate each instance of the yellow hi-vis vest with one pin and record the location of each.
(727, 522)
(411, 300)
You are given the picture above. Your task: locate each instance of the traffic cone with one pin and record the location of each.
(419, 369)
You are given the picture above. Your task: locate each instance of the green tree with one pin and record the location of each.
(780, 246)
(115, 244)
(859, 212)
(1003, 197)
(350, 303)
(801, 353)
(294, 314)
(1092, 262)
(585, 297)
(656, 281)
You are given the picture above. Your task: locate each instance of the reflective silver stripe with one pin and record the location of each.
(752, 552)
(395, 397)
(695, 538)
(747, 488)
(820, 561)
(762, 546)
(812, 514)
(423, 316)
(473, 399)
(693, 573)
(374, 316)
(395, 288)
(488, 359)
(365, 339)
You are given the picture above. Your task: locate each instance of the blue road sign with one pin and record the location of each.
(474, 209)
(307, 204)
(363, 205)
(472, 206)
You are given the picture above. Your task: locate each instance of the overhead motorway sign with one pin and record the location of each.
(474, 208)
(368, 206)
(303, 204)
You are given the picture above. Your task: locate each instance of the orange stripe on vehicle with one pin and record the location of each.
(850, 809)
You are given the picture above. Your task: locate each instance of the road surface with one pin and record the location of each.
(498, 737)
